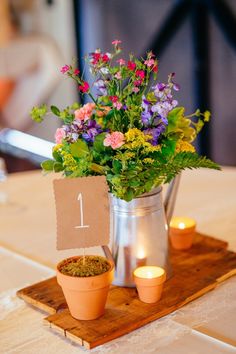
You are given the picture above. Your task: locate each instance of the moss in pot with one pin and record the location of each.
(85, 281)
(86, 266)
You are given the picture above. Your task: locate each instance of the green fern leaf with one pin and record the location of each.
(188, 160)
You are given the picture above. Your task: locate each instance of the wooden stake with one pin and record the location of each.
(83, 256)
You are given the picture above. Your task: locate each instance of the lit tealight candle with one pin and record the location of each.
(141, 258)
(149, 282)
(181, 231)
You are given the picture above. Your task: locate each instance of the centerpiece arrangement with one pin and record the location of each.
(132, 131)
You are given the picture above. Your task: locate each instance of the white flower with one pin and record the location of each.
(104, 70)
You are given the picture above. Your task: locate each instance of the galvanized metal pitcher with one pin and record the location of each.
(139, 233)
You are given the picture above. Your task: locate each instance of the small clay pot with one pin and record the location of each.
(182, 239)
(85, 296)
(150, 289)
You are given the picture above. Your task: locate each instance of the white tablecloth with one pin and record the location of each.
(27, 236)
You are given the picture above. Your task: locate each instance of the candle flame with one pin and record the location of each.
(141, 253)
(182, 225)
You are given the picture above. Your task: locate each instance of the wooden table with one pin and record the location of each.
(27, 237)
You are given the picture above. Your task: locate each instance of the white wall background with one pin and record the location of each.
(56, 21)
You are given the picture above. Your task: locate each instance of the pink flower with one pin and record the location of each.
(149, 62)
(131, 65)
(118, 75)
(155, 68)
(76, 72)
(121, 61)
(84, 87)
(135, 89)
(115, 140)
(140, 73)
(117, 105)
(64, 69)
(116, 42)
(96, 57)
(59, 135)
(105, 58)
(85, 112)
(137, 82)
(113, 98)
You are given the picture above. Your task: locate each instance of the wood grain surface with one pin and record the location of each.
(195, 272)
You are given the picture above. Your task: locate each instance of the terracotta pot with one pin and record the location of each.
(182, 239)
(6, 89)
(150, 289)
(85, 296)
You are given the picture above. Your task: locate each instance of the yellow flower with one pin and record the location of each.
(128, 155)
(182, 146)
(100, 121)
(68, 161)
(135, 139)
(148, 160)
(57, 147)
(151, 148)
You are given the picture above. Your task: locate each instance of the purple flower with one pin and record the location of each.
(145, 103)
(164, 120)
(176, 87)
(87, 129)
(101, 87)
(161, 86)
(91, 130)
(146, 118)
(147, 114)
(90, 135)
(155, 133)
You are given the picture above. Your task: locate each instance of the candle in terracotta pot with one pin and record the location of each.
(149, 281)
(182, 231)
(141, 258)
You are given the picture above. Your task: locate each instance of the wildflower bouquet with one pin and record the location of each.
(132, 130)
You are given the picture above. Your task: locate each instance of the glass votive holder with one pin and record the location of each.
(149, 281)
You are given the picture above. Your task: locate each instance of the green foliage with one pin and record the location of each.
(58, 167)
(98, 143)
(47, 165)
(57, 156)
(55, 111)
(187, 160)
(50, 165)
(179, 124)
(38, 113)
(79, 149)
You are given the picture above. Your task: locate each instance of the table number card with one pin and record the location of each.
(82, 208)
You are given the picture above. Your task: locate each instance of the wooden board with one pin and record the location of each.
(195, 272)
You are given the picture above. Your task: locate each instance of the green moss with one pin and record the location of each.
(87, 266)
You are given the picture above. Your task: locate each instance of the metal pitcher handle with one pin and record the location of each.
(107, 253)
(170, 199)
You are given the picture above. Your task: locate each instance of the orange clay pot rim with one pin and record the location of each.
(91, 277)
(187, 230)
(161, 277)
(150, 282)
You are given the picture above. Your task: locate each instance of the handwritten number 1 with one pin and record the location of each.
(81, 226)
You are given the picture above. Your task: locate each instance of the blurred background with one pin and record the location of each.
(196, 39)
